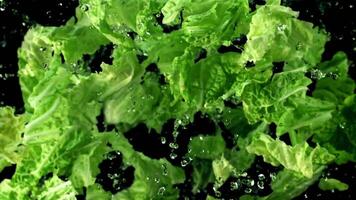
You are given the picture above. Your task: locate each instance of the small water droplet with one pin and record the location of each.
(248, 190)
(185, 162)
(244, 174)
(163, 140)
(272, 176)
(250, 182)
(157, 180)
(217, 192)
(316, 74)
(173, 156)
(261, 177)
(84, 7)
(260, 185)
(299, 46)
(281, 27)
(161, 190)
(234, 186)
(175, 134)
(165, 170)
(173, 145)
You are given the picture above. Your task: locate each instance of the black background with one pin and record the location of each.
(16, 16)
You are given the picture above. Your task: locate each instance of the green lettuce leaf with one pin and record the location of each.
(299, 158)
(11, 128)
(331, 184)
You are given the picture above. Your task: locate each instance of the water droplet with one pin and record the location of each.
(165, 170)
(161, 190)
(175, 134)
(173, 145)
(163, 140)
(281, 27)
(260, 185)
(299, 46)
(185, 162)
(261, 177)
(250, 182)
(217, 192)
(248, 190)
(157, 180)
(173, 156)
(244, 174)
(316, 74)
(84, 7)
(272, 176)
(234, 186)
(3, 44)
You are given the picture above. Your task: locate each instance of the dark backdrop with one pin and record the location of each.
(16, 16)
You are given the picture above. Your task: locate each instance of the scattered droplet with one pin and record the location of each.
(250, 182)
(163, 140)
(161, 190)
(173, 156)
(217, 192)
(234, 186)
(261, 177)
(84, 7)
(173, 145)
(244, 174)
(281, 27)
(260, 185)
(272, 176)
(165, 170)
(184, 162)
(316, 74)
(248, 190)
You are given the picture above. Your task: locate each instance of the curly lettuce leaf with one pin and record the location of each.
(11, 128)
(277, 35)
(299, 158)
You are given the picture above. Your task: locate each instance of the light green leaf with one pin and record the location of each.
(299, 158)
(11, 128)
(331, 184)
